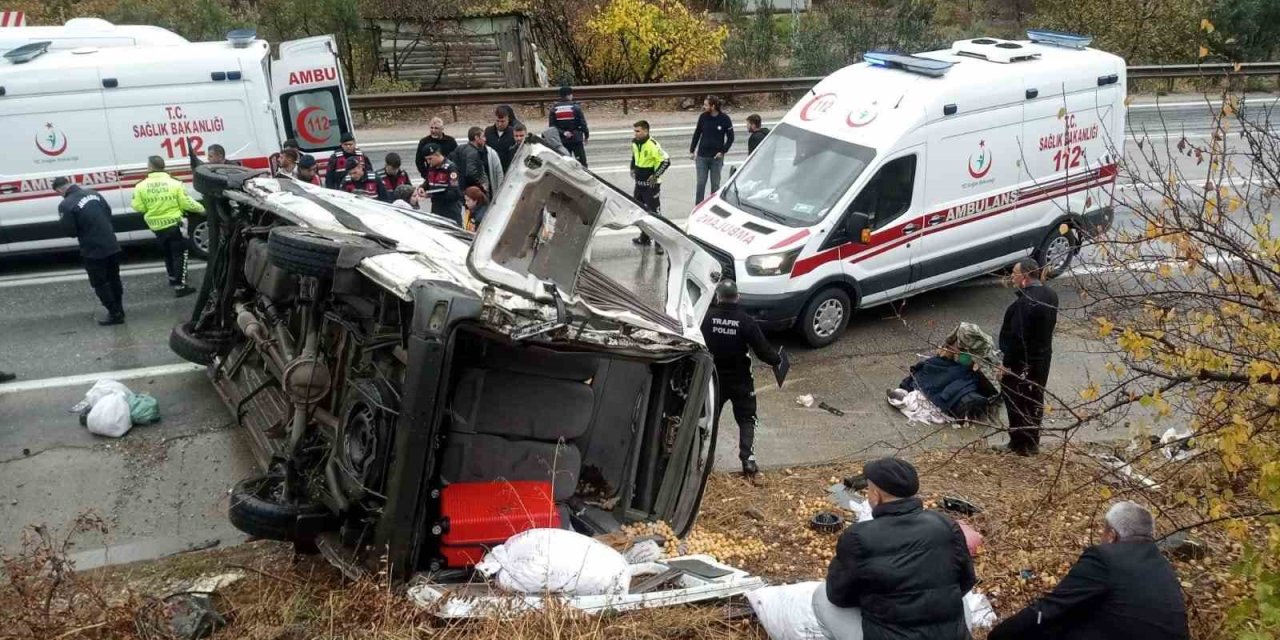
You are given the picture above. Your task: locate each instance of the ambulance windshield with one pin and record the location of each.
(796, 176)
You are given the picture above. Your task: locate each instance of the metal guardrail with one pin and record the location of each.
(625, 92)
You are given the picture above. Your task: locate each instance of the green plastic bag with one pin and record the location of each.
(143, 409)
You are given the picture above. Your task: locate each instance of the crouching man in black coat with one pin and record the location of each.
(1122, 588)
(907, 569)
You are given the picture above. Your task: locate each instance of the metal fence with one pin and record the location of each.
(627, 92)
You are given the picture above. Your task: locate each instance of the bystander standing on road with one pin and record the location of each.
(520, 132)
(342, 160)
(392, 175)
(1026, 340)
(756, 131)
(438, 137)
(218, 155)
(730, 333)
(478, 164)
(1123, 588)
(648, 163)
(712, 138)
(287, 163)
(500, 136)
(443, 185)
(86, 216)
(477, 204)
(163, 201)
(567, 117)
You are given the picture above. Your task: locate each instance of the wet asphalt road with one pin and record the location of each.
(163, 487)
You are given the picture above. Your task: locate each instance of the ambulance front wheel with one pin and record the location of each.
(825, 317)
(1057, 250)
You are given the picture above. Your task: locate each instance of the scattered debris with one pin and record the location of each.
(805, 401)
(1178, 444)
(827, 522)
(1123, 472)
(981, 614)
(1182, 546)
(830, 409)
(960, 505)
(186, 615)
(754, 513)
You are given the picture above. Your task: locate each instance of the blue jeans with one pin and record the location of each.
(705, 167)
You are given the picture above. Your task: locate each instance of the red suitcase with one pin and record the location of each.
(477, 516)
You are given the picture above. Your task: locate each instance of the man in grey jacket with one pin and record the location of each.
(479, 165)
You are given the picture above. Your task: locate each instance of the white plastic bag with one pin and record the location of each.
(110, 416)
(642, 552)
(978, 612)
(786, 611)
(98, 391)
(557, 561)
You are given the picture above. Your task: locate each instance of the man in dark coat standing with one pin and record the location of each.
(567, 117)
(907, 568)
(1026, 339)
(1121, 589)
(500, 136)
(86, 216)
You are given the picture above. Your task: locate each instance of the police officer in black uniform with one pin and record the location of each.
(442, 185)
(729, 333)
(86, 216)
(567, 117)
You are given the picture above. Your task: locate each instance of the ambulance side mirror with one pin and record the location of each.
(858, 227)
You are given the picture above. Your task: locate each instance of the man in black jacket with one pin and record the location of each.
(567, 117)
(1122, 588)
(472, 159)
(437, 137)
(712, 138)
(342, 160)
(1026, 339)
(757, 131)
(86, 216)
(500, 136)
(907, 568)
(729, 333)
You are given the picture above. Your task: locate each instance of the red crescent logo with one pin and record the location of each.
(819, 103)
(865, 117)
(985, 163)
(300, 124)
(55, 151)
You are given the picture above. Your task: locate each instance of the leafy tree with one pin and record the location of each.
(1246, 30)
(837, 34)
(754, 43)
(1186, 297)
(653, 41)
(1141, 31)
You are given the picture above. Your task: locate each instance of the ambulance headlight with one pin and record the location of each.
(772, 264)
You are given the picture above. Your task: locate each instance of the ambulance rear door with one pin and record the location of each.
(311, 94)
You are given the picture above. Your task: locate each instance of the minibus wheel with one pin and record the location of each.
(825, 317)
(1057, 250)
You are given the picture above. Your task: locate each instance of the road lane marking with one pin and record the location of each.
(87, 379)
(77, 276)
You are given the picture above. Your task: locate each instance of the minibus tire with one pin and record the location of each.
(826, 302)
(256, 510)
(1053, 243)
(301, 252)
(213, 179)
(193, 348)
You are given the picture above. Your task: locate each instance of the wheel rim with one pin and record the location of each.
(200, 236)
(827, 319)
(1056, 254)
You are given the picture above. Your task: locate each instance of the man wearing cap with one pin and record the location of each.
(442, 185)
(567, 117)
(307, 171)
(341, 160)
(163, 201)
(730, 333)
(906, 570)
(359, 181)
(86, 216)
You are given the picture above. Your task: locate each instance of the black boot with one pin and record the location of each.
(750, 468)
(112, 319)
(182, 291)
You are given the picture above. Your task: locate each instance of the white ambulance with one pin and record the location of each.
(92, 101)
(905, 173)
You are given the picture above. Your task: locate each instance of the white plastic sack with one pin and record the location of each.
(642, 552)
(786, 611)
(110, 416)
(861, 509)
(98, 391)
(556, 561)
(978, 612)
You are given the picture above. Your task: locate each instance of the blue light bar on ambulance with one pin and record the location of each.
(914, 64)
(1059, 38)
